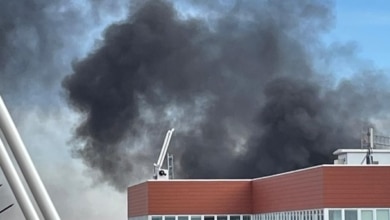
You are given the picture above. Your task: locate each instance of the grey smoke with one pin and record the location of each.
(38, 41)
(30, 39)
(241, 84)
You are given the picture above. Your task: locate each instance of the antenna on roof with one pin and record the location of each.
(381, 141)
(369, 159)
(378, 141)
(373, 141)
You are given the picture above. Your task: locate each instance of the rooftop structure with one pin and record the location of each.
(358, 156)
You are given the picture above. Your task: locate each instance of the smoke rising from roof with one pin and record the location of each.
(240, 84)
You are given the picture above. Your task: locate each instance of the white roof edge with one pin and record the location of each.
(323, 165)
(198, 180)
(356, 165)
(289, 172)
(343, 151)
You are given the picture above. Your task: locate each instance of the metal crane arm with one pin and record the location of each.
(164, 149)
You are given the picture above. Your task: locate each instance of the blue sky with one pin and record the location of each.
(367, 23)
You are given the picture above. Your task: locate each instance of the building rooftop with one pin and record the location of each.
(318, 187)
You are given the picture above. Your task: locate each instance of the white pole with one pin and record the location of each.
(161, 156)
(16, 185)
(165, 148)
(371, 138)
(26, 165)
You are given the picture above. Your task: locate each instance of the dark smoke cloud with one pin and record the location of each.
(240, 83)
(38, 40)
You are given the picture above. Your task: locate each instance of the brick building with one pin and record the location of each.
(326, 192)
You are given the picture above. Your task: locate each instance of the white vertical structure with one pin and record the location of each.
(369, 158)
(371, 138)
(26, 165)
(160, 173)
(16, 184)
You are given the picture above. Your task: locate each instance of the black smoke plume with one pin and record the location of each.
(243, 85)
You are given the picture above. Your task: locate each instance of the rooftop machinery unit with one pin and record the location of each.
(159, 173)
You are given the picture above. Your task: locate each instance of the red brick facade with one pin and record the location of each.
(198, 197)
(291, 191)
(137, 200)
(327, 186)
(195, 197)
(366, 186)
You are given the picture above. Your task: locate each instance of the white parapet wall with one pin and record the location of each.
(358, 156)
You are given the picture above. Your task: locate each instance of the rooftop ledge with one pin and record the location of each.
(344, 151)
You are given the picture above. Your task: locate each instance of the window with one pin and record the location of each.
(183, 218)
(156, 217)
(321, 215)
(334, 214)
(234, 217)
(246, 217)
(314, 215)
(350, 215)
(169, 218)
(382, 214)
(195, 218)
(221, 217)
(367, 215)
(209, 218)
